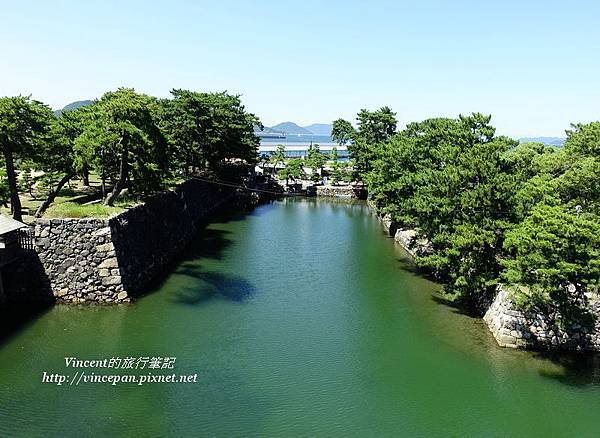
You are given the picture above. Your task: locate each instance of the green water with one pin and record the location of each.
(300, 319)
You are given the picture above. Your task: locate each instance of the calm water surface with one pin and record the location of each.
(301, 318)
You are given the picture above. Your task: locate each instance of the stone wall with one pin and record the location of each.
(148, 237)
(511, 327)
(345, 191)
(514, 328)
(406, 237)
(79, 260)
(109, 260)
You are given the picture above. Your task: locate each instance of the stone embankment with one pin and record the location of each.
(109, 260)
(511, 327)
(515, 328)
(406, 237)
(309, 188)
(342, 191)
(79, 258)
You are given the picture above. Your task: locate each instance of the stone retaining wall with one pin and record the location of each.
(407, 238)
(347, 191)
(109, 260)
(514, 328)
(511, 327)
(79, 259)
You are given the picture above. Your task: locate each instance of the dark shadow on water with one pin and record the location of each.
(206, 286)
(202, 286)
(13, 321)
(580, 369)
(577, 368)
(27, 294)
(407, 263)
(208, 243)
(235, 213)
(455, 307)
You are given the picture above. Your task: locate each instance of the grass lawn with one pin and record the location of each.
(64, 205)
(72, 201)
(74, 210)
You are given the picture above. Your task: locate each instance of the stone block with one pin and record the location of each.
(112, 280)
(105, 247)
(110, 263)
(122, 295)
(102, 231)
(507, 339)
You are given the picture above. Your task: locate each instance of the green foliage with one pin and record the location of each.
(336, 167)
(315, 160)
(556, 254)
(278, 157)
(133, 141)
(61, 155)
(584, 139)
(27, 180)
(208, 129)
(294, 169)
(374, 128)
(4, 188)
(47, 182)
(25, 126)
(342, 132)
(347, 171)
(554, 247)
(121, 139)
(496, 210)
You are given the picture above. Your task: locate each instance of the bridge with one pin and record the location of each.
(300, 150)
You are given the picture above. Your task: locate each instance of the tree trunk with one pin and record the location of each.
(85, 176)
(52, 196)
(15, 202)
(123, 173)
(103, 183)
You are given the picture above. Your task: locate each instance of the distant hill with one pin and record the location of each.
(550, 141)
(319, 128)
(72, 106)
(266, 130)
(290, 128)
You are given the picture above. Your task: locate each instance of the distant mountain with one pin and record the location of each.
(550, 141)
(290, 128)
(72, 106)
(266, 131)
(319, 128)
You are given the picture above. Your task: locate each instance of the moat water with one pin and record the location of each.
(301, 318)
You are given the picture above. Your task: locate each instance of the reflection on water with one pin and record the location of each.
(300, 318)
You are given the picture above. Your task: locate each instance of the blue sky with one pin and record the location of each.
(533, 65)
